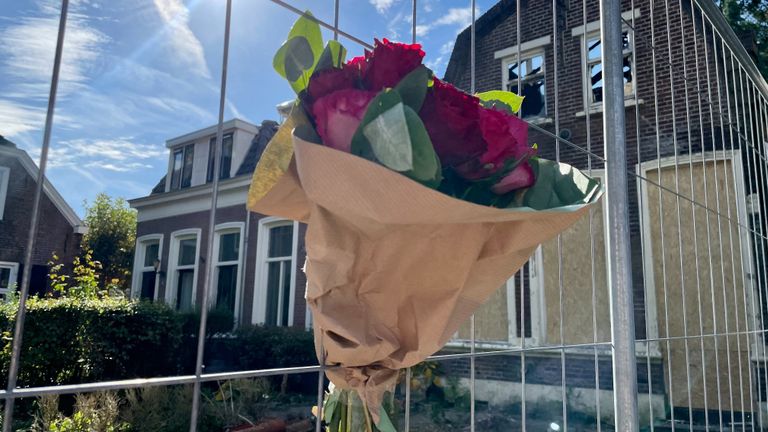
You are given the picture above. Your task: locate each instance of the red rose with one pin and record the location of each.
(360, 63)
(331, 80)
(505, 135)
(451, 119)
(520, 177)
(506, 138)
(389, 63)
(338, 115)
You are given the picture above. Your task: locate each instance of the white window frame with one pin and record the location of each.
(527, 56)
(173, 267)
(538, 312)
(642, 186)
(262, 251)
(138, 263)
(14, 277)
(592, 29)
(222, 229)
(5, 178)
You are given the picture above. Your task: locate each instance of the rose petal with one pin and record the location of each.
(520, 177)
(338, 115)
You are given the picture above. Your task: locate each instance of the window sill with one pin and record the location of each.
(598, 108)
(539, 120)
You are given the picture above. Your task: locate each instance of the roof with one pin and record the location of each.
(9, 148)
(267, 130)
(5, 142)
(459, 61)
(264, 134)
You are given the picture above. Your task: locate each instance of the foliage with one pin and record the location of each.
(261, 347)
(93, 339)
(750, 18)
(111, 237)
(220, 320)
(93, 412)
(83, 283)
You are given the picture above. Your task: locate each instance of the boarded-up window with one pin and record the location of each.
(693, 263)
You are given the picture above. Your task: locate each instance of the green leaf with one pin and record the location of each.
(557, 185)
(392, 134)
(334, 55)
(413, 87)
(507, 98)
(385, 424)
(426, 164)
(297, 57)
(390, 140)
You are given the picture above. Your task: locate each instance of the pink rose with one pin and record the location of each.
(520, 177)
(338, 115)
(331, 80)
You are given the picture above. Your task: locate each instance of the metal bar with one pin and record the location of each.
(211, 224)
(18, 331)
(413, 21)
(730, 237)
(472, 366)
(746, 285)
(322, 23)
(618, 242)
(335, 20)
(719, 233)
(408, 375)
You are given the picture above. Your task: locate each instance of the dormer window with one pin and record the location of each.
(225, 165)
(181, 171)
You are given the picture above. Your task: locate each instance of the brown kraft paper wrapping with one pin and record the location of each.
(393, 267)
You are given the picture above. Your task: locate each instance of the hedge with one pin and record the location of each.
(69, 340)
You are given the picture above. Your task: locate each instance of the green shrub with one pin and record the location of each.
(73, 340)
(260, 347)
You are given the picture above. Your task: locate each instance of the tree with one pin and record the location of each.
(749, 19)
(111, 238)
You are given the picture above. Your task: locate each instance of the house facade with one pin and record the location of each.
(691, 270)
(60, 229)
(257, 260)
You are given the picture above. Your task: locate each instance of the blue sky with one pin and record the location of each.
(137, 72)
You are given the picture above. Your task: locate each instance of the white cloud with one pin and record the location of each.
(17, 119)
(118, 155)
(27, 49)
(459, 17)
(382, 6)
(439, 63)
(185, 44)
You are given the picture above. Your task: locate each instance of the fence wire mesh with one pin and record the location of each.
(649, 313)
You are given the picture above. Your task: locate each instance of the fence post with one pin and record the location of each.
(618, 243)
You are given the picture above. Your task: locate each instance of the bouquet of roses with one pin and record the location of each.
(420, 201)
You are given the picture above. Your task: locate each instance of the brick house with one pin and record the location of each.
(662, 140)
(60, 229)
(257, 259)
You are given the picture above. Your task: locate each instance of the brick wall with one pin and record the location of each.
(55, 234)
(681, 127)
(166, 226)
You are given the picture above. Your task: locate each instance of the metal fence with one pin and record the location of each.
(649, 314)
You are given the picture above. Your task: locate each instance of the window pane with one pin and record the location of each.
(625, 41)
(593, 48)
(512, 77)
(281, 241)
(189, 156)
(211, 144)
(226, 157)
(184, 290)
(536, 63)
(229, 247)
(150, 253)
(534, 104)
(187, 251)
(226, 288)
(5, 277)
(273, 292)
(596, 81)
(627, 70)
(286, 292)
(148, 285)
(176, 174)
